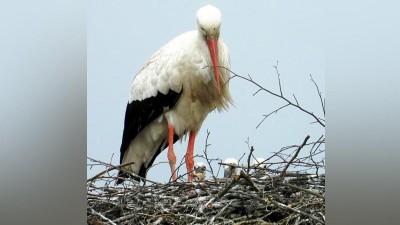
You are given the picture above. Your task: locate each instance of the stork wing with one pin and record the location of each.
(156, 87)
(165, 69)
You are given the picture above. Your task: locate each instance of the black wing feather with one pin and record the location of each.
(137, 116)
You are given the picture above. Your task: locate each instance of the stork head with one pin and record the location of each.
(208, 23)
(199, 171)
(231, 168)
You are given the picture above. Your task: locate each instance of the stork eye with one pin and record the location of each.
(202, 28)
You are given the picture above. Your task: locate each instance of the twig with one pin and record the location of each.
(103, 217)
(227, 188)
(220, 212)
(124, 218)
(303, 189)
(112, 167)
(294, 156)
(247, 178)
(297, 102)
(319, 93)
(275, 111)
(279, 77)
(274, 94)
(280, 205)
(206, 156)
(248, 159)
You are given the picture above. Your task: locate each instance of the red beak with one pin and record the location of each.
(213, 48)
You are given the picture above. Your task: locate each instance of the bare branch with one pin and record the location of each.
(276, 95)
(273, 112)
(206, 156)
(295, 155)
(297, 103)
(248, 159)
(279, 78)
(103, 217)
(319, 94)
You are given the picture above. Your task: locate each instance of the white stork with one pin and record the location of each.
(231, 168)
(173, 93)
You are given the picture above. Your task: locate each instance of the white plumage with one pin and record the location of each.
(259, 163)
(199, 171)
(173, 93)
(231, 168)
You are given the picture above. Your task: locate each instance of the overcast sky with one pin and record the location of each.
(121, 37)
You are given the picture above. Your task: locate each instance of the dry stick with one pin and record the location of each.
(241, 158)
(283, 206)
(227, 188)
(103, 217)
(255, 221)
(220, 194)
(159, 220)
(99, 162)
(275, 111)
(274, 94)
(297, 102)
(112, 167)
(231, 184)
(247, 178)
(187, 197)
(319, 93)
(303, 189)
(144, 179)
(220, 212)
(118, 167)
(124, 218)
(311, 153)
(248, 159)
(279, 77)
(294, 156)
(206, 156)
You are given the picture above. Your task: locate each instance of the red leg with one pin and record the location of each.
(171, 154)
(189, 156)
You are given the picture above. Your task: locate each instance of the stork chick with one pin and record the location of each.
(230, 169)
(259, 163)
(199, 172)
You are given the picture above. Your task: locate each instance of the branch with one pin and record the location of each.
(275, 111)
(112, 167)
(247, 178)
(206, 156)
(280, 205)
(319, 93)
(303, 189)
(103, 217)
(294, 156)
(248, 159)
(279, 79)
(274, 94)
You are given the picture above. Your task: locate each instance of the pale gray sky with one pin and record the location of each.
(122, 36)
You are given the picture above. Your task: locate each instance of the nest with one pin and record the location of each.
(257, 195)
(247, 198)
